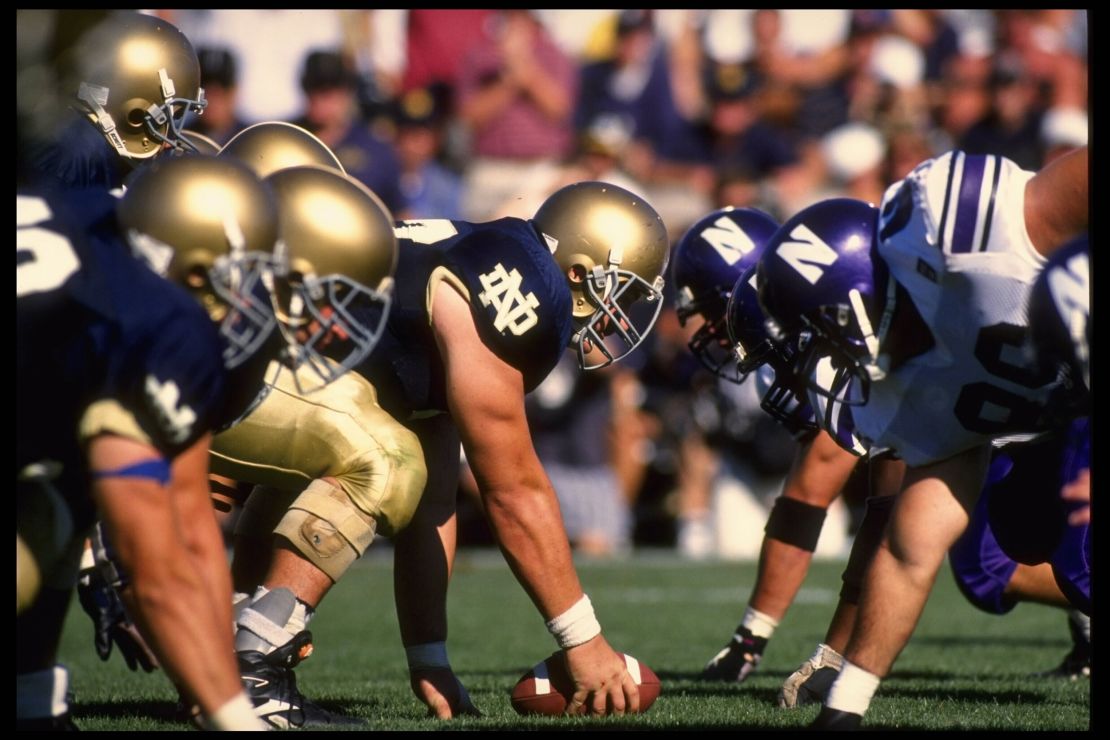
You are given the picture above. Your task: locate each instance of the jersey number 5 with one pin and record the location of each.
(44, 259)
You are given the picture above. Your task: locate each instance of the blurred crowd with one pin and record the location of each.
(479, 114)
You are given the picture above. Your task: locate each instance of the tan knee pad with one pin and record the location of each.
(262, 511)
(327, 528)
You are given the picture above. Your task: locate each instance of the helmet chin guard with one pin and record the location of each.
(611, 330)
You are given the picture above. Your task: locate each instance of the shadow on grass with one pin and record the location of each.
(161, 711)
(966, 695)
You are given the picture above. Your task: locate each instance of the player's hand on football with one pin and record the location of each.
(443, 693)
(601, 679)
(111, 625)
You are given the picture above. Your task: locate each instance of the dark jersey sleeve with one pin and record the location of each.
(173, 381)
(519, 298)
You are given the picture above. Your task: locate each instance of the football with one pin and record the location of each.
(547, 688)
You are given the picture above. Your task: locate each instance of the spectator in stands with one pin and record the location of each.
(517, 92)
(219, 78)
(430, 189)
(330, 112)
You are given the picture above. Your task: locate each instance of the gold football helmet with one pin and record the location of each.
(275, 145)
(201, 144)
(612, 247)
(135, 77)
(209, 225)
(337, 241)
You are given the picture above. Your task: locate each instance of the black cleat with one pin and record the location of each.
(272, 687)
(1077, 663)
(834, 719)
(737, 660)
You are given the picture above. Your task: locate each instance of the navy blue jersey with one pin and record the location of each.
(518, 297)
(76, 156)
(103, 343)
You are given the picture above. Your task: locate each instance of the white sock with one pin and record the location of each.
(235, 714)
(852, 690)
(42, 693)
(758, 623)
(302, 615)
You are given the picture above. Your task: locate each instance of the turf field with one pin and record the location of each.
(963, 669)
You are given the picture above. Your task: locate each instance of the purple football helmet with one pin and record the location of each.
(825, 290)
(1059, 322)
(707, 262)
(754, 348)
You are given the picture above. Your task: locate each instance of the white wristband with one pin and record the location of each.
(237, 714)
(576, 625)
(427, 655)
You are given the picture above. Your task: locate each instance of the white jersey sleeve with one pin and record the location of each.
(953, 235)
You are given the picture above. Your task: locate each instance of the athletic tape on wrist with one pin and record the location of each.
(576, 625)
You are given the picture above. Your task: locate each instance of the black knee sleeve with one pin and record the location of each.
(795, 523)
(867, 541)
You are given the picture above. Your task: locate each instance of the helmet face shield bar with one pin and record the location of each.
(611, 330)
(711, 344)
(240, 283)
(167, 122)
(330, 325)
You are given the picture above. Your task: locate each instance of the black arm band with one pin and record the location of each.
(795, 523)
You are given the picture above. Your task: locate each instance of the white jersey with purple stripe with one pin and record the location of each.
(953, 234)
(834, 417)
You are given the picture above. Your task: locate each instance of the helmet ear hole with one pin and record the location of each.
(577, 273)
(197, 277)
(136, 116)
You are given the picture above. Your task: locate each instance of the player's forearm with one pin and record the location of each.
(173, 607)
(421, 571)
(782, 570)
(205, 544)
(529, 529)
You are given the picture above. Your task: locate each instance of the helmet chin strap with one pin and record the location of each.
(878, 365)
(94, 97)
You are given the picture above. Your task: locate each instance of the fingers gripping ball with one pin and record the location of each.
(547, 688)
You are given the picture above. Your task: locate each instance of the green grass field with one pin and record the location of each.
(963, 670)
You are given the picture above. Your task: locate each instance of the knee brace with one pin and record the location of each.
(867, 541)
(795, 523)
(325, 526)
(981, 568)
(262, 511)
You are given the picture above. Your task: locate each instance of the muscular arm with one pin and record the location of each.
(486, 399)
(173, 601)
(817, 476)
(199, 528)
(1056, 202)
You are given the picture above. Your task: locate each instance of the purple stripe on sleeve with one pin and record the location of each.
(967, 204)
